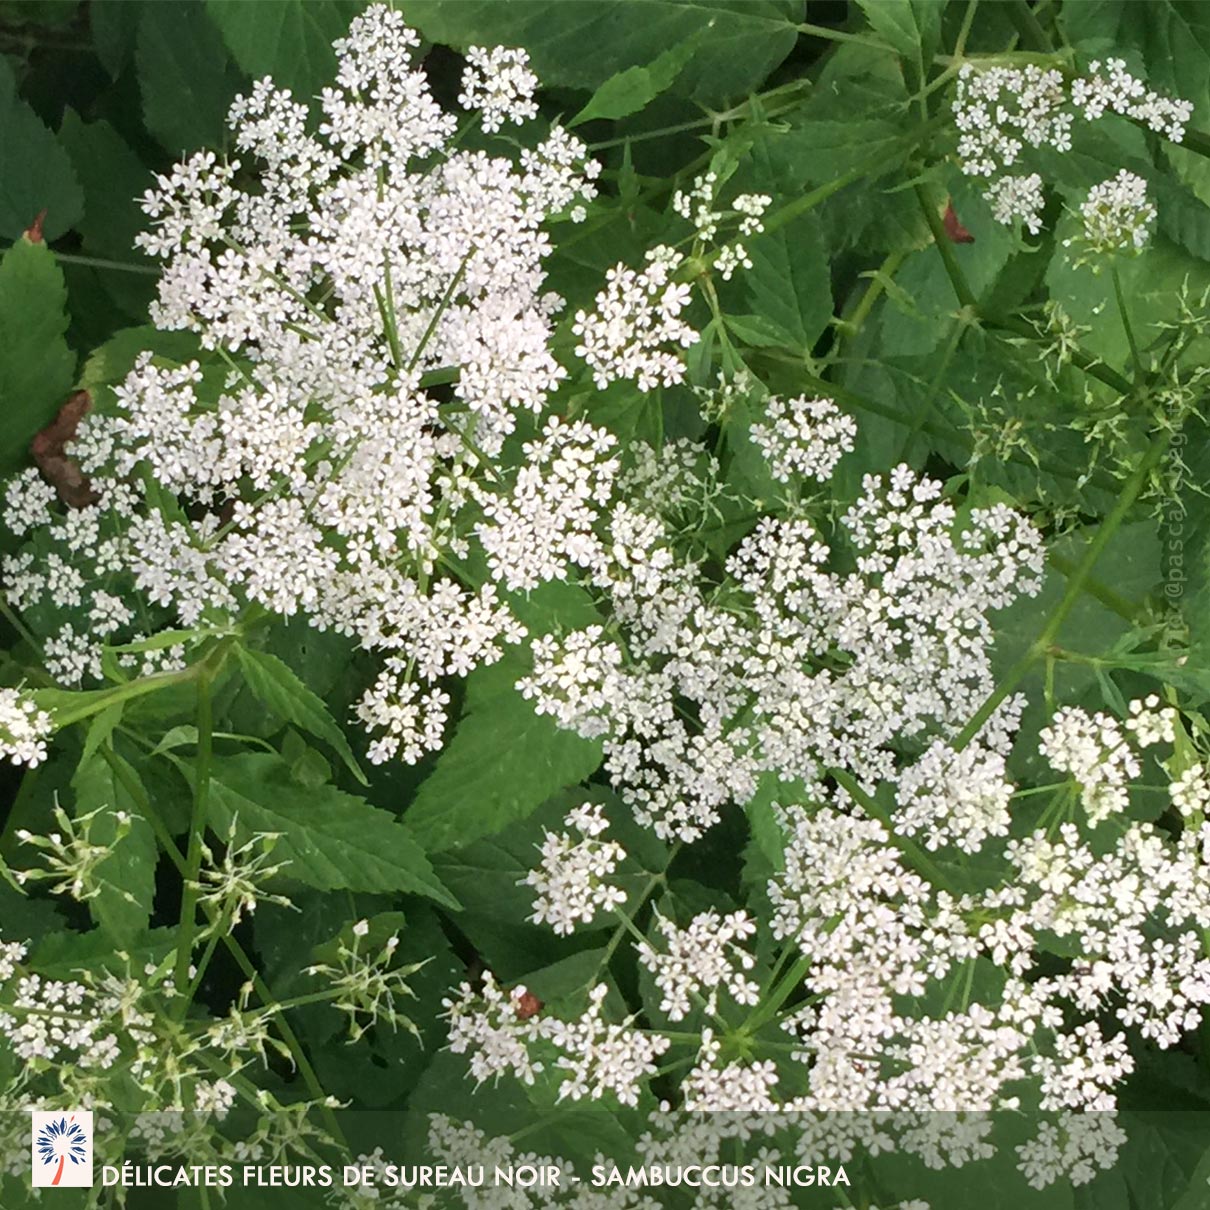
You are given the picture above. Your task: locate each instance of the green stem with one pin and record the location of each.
(446, 298)
(926, 400)
(1136, 360)
(197, 830)
(848, 326)
(97, 262)
(767, 1009)
(95, 701)
(1075, 585)
(237, 952)
(1101, 592)
(912, 851)
(961, 288)
(1033, 36)
(839, 35)
(1084, 361)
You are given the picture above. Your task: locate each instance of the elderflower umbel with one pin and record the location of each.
(1017, 197)
(1002, 112)
(700, 206)
(599, 1057)
(373, 320)
(701, 959)
(1117, 215)
(1150, 723)
(490, 1025)
(1110, 87)
(636, 331)
(24, 728)
(1093, 749)
(804, 437)
(571, 882)
(1190, 793)
(711, 692)
(500, 84)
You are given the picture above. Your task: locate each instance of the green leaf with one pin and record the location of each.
(123, 906)
(290, 40)
(113, 178)
(112, 361)
(36, 366)
(1172, 37)
(761, 332)
(35, 174)
(633, 89)
(115, 26)
(64, 954)
(912, 27)
(185, 75)
(332, 840)
(789, 283)
(502, 763)
(1183, 217)
(276, 685)
(582, 45)
(100, 729)
(920, 314)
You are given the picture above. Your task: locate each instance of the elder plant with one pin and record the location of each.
(392, 433)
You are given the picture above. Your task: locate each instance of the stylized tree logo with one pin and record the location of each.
(60, 1140)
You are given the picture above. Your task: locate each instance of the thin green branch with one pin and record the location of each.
(197, 830)
(1075, 585)
(919, 859)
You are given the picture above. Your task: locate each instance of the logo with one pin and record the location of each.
(61, 1149)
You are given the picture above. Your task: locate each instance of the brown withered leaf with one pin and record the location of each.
(48, 452)
(528, 1005)
(957, 233)
(33, 232)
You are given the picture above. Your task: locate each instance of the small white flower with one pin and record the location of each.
(1117, 215)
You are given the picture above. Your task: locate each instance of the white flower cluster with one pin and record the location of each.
(499, 83)
(696, 962)
(1002, 111)
(545, 524)
(1109, 88)
(1150, 723)
(1093, 749)
(876, 936)
(999, 111)
(636, 331)
(571, 881)
(700, 206)
(596, 1058)
(804, 437)
(961, 797)
(1077, 1147)
(24, 728)
(376, 307)
(797, 669)
(1190, 792)
(713, 1086)
(1117, 215)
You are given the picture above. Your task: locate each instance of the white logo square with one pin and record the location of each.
(61, 1148)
